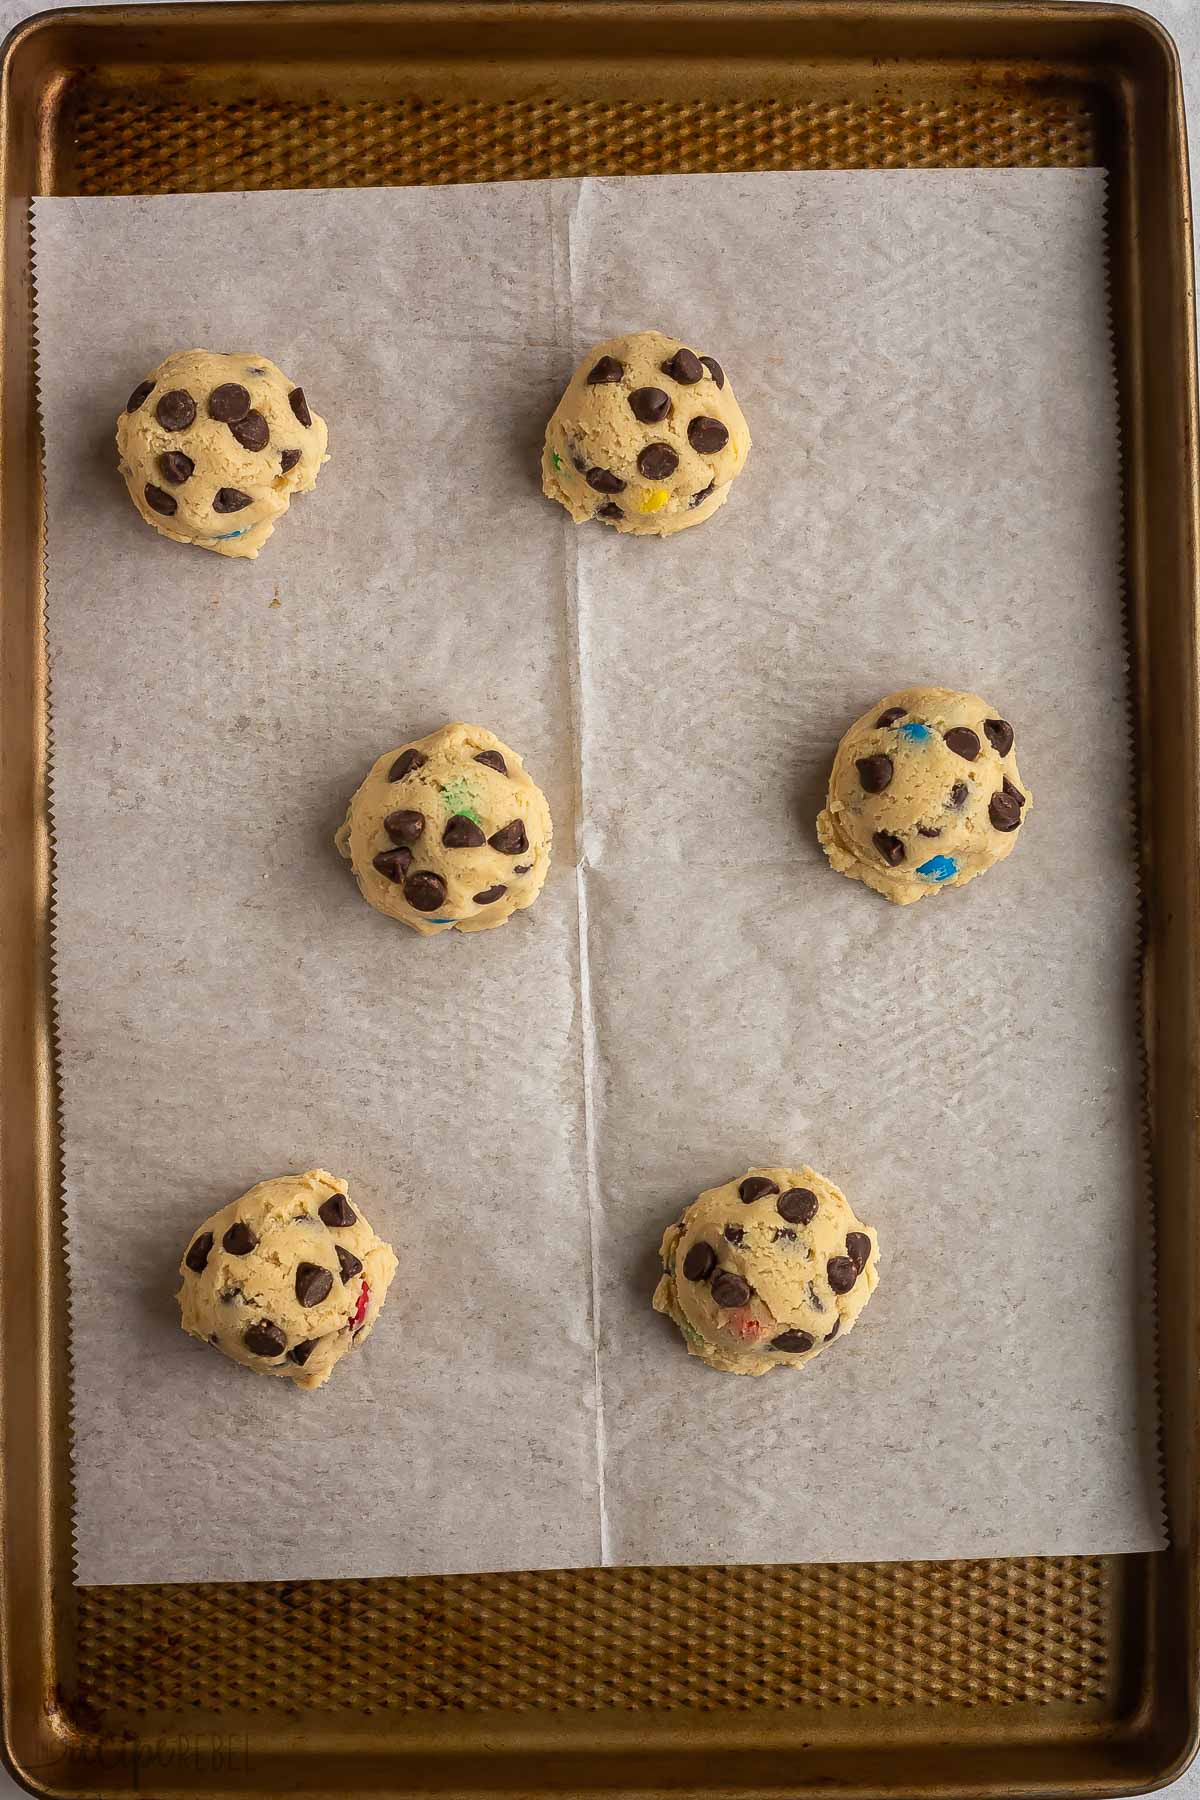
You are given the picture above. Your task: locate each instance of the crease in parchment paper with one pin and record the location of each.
(562, 201)
(522, 1113)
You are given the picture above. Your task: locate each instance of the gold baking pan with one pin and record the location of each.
(1067, 1675)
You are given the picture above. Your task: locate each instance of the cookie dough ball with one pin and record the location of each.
(765, 1272)
(288, 1279)
(925, 794)
(213, 447)
(647, 437)
(448, 832)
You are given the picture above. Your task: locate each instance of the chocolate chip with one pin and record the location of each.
(890, 716)
(300, 1353)
(229, 402)
(700, 1262)
(734, 1234)
(462, 833)
(657, 461)
(731, 1290)
(175, 410)
(858, 1249)
(606, 370)
(393, 865)
(999, 735)
(798, 1206)
(265, 1339)
(929, 831)
(229, 1295)
(252, 432)
(707, 435)
(755, 1186)
(604, 481)
(405, 763)
(958, 794)
(492, 759)
(522, 868)
(240, 1239)
(313, 1283)
(141, 392)
(889, 847)
(830, 1335)
(685, 366)
(715, 370)
(404, 826)
(702, 496)
(1013, 791)
(199, 1250)
(425, 890)
(348, 1262)
(610, 510)
(160, 502)
(490, 894)
(842, 1274)
(175, 466)
(299, 406)
(1004, 809)
(874, 772)
(795, 1343)
(963, 741)
(288, 460)
(227, 500)
(649, 404)
(336, 1211)
(510, 840)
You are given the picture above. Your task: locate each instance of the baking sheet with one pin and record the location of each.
(933, 495)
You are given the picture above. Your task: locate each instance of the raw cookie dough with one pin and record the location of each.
(213, 447)
(647, 437)
(925, 793)
(448, 831)
(288, 1279)
(766, 1271)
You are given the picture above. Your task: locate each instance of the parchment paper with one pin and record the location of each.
(933, 495)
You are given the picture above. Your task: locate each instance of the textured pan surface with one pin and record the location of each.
(124, 146)
(894, 1634)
